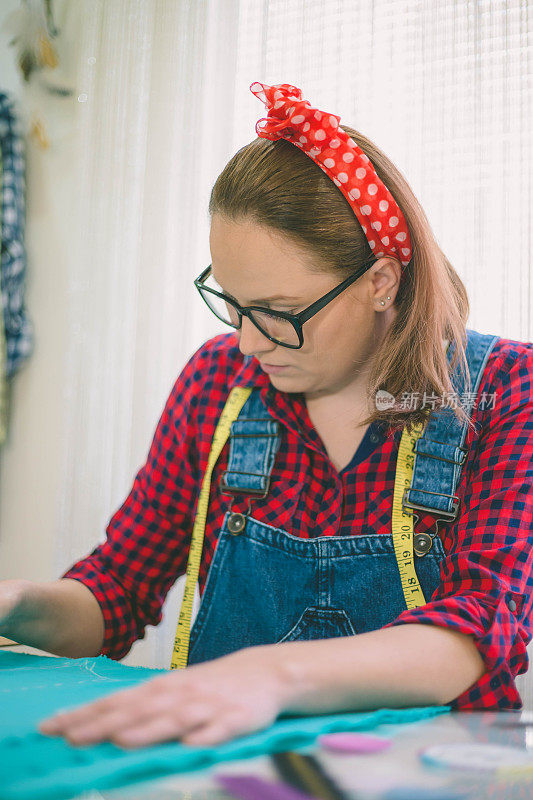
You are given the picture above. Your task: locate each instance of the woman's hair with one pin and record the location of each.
(277, 186)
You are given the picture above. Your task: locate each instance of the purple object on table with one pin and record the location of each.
(353, 742)
(251, 787)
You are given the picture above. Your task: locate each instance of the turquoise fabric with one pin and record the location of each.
(35, 766)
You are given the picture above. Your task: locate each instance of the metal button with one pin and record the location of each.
(512, 605)
(422, 543)
(373, 438)
(236, 523)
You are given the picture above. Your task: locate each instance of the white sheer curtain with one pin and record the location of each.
(161, 103)
(153, 133)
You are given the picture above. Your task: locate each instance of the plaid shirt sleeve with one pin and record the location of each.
(147, 538)
(486, 585)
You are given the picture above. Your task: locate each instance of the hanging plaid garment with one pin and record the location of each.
(18, 328)
(3, 377)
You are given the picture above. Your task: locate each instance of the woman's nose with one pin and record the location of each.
(251, 340)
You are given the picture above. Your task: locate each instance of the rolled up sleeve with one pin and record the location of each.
(486, 581)
(148, 537)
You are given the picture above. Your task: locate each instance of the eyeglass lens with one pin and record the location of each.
(269, 323)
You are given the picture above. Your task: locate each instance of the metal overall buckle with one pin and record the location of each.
(423, 542)
(236, 520)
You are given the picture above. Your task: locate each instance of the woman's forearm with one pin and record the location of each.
(62, 617)
(405, 665)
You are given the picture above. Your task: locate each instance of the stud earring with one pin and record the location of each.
(383, 301)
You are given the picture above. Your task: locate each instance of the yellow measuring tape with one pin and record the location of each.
(402, 518)
(402, 522)
(238, 397)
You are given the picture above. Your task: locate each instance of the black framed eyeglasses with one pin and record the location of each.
(280, 327)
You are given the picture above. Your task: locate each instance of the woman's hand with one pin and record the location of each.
(12, 593)
(203, 704)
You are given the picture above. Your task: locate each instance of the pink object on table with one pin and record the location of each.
(353, 742)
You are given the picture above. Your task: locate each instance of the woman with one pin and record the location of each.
(308, 604)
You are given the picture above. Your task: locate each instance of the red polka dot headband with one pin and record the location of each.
(318, 134)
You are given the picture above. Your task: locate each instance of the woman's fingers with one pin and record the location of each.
(106, 715)
(173, 724)
(87, 712)
(154, 718)
(156, 731)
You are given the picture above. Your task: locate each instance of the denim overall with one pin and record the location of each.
(265, 585)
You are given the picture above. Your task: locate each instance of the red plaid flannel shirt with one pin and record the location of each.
(486, 577)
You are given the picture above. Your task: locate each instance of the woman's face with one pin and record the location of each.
(253, 263)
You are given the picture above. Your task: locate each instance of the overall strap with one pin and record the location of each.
(254, 442)
(440, 452)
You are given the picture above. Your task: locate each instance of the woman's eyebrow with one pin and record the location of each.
(269, 299)
(261, 299)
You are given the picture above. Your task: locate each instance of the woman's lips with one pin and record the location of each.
(273, 368)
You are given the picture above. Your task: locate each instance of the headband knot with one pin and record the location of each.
(289, 116)
(320, 136)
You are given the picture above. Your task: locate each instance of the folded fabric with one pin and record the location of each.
(34, 766)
